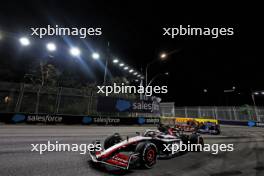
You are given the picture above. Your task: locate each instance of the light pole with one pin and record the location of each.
(253, 94)
(162, 57)
(204, 96)
(156, 76)
(106, 61)
(227, 92)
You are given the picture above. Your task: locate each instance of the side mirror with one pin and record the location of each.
(138, 133)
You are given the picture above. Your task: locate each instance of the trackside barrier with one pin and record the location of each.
(231, 122)
(15, 118)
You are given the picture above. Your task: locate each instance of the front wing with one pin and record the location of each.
(119, 160)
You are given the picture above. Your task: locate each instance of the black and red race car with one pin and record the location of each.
(141, 150)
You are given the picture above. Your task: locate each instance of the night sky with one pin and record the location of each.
(134, 30)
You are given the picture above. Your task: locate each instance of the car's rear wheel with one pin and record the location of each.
(217, 131)
(147, 153)
(112, 140)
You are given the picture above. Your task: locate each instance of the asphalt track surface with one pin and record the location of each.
(16, 157)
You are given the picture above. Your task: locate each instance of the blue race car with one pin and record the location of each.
(209, 128)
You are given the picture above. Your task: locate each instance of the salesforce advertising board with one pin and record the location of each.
(109, 104)
(17, 118)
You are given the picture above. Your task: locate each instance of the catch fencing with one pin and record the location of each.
(29, 98)
(234, 113)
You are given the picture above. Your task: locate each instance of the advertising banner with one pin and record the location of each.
(15, 118)
(110, 104)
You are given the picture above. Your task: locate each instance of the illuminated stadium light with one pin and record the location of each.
(163, 56)
(205, 90)
(135, 73)
(115, 61)
(75, 51)
(262, 93)
(51, 47)
(136, 80)
(122, 65)
(131, 71)
(142, 77)
(138, 75)
(95, 56)
(256, 93)
(125, 68)
(24, 41)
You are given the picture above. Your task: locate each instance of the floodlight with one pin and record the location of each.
(24, 41)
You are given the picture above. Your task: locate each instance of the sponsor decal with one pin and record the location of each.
(141, 120)
(18, 118)
(87, 120)
(116, 157)
(145, 106)
(110, 104)
(139, 106)
(71, 119)
(251, 123)
(106, 120)
(260, 124)
(44, 118)
(142, 106)
(152, 120)
(122, 105)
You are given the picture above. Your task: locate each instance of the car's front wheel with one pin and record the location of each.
(112, 140)
(197, 139)
(147, 153)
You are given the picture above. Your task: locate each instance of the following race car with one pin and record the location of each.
(209, 128)
(141, 150)
(205, 127)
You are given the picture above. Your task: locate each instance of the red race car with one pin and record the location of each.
(141, 150)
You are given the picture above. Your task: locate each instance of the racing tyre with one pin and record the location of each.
(112, 140)
(217, 131)
(196, 139)
(147, 153)
(184, 138)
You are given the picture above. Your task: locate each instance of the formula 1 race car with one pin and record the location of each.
(187, 126)
(206, 127)
(141, 150)
(209, 128)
